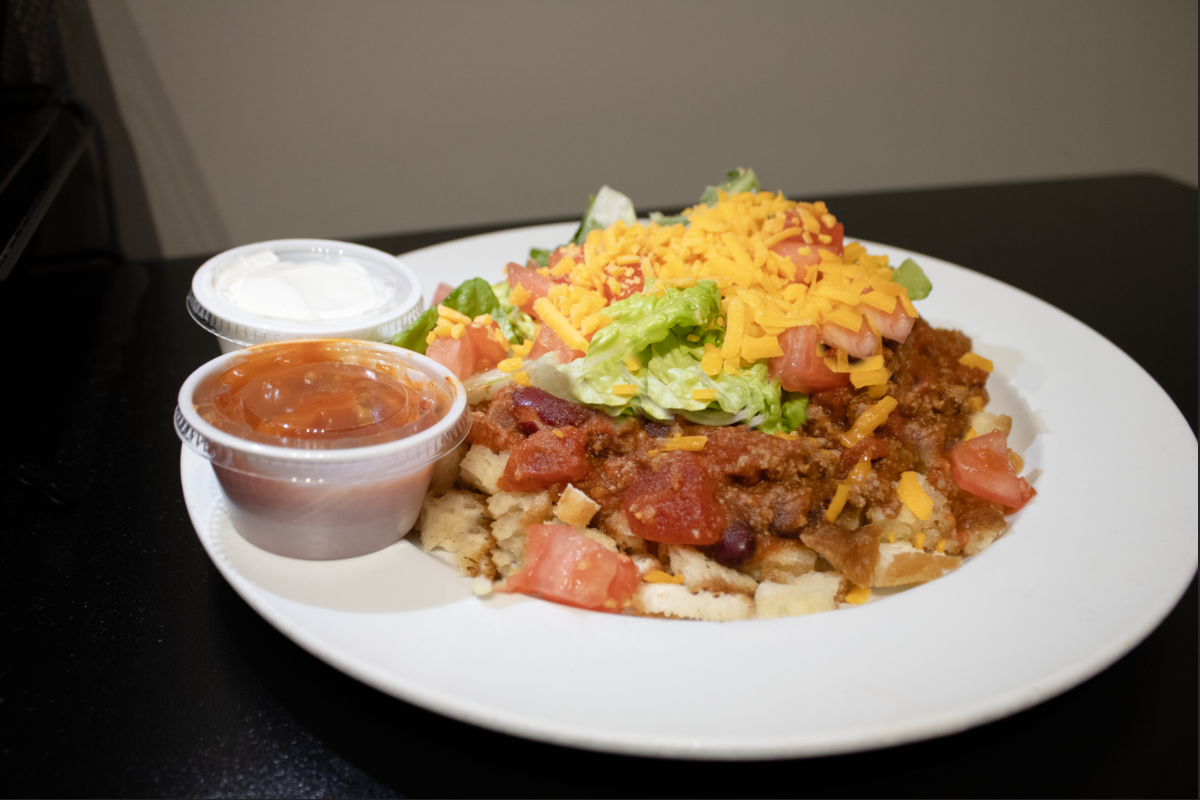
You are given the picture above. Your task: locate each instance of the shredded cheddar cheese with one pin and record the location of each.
(860, 471)
(976, 361)
(759, 347)
(873, 377)
(858, 595)
(868, 421)
(913, 496)
(838, 502)
(519, 295)
(658, 576)
(693, 443)
(763, 294)
(453, 324)
(561, 326)
(450, 314)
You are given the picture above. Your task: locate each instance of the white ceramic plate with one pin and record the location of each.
(1086, 572)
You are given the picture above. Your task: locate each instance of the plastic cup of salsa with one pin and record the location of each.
(323, 448)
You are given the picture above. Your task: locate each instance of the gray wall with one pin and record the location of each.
(256, 119)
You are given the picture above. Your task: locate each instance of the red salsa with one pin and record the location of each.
(313, 393)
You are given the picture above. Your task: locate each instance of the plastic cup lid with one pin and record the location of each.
(215, 308)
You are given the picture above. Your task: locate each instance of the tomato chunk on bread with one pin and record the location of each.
(675, 502)
(564, 566)
(982, 467)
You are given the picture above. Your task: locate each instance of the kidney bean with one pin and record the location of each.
(736, 546)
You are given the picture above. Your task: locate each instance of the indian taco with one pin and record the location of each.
(728, 414)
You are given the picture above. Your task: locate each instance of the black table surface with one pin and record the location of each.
(131, 668)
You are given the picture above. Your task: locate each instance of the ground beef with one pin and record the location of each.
(782, 486)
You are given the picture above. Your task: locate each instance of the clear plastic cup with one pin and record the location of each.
(396, 302)
(340, 496)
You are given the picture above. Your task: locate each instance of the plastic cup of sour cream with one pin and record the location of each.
(323, 448)
(303, 288)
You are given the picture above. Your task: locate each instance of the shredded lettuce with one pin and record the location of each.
(472, 297)
(795, 411)
(641, 320)
(659, 218)
(738, 180)
(667, 335)
(913, 279)
(518, 321)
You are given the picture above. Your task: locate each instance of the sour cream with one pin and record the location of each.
(302, 290)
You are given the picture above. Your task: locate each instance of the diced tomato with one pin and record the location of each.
(790, 249)
(548, 341)
(546, 458)
(456, 355)
(870, 446)
(981, 467)
(894, 326)
(564, 566)
(443, 291)
(808, 242)
(859, 344)
(572, 251)
(675, 503)
(475, 352)
(801, 368)
(535, 283)
(488, 351)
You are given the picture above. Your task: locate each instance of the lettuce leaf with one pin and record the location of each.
(643, 319)
(913, 279)
(662, 219)
(638, 322)
(738, 180)
(795, 411)
(659, 330)
(604, 208)
(522, 325)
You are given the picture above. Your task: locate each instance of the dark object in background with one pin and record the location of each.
(56, 236)
(51, 196)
